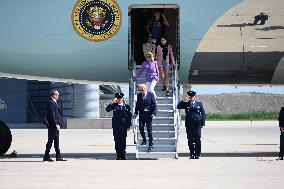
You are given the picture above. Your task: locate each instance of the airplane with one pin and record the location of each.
(215, 42)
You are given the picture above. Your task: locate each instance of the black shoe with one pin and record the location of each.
(196, 157)
(150, 148)
(280, 158)
(48, 159)
(192, 157)
(164, 88)
(168, 93)
(118, 158)
(143, 143)
(61, 159)
(124, 158)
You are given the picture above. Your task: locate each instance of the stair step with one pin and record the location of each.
(168, 114)
(156, 155)
(163, 118)
(163, 121)
(163, 93)
(161, 128)
(165, 111)
(159, 141)
(158, 148)
(164, 106)
(163, 124)
(162, 134)
(165, 98)
(161, 100)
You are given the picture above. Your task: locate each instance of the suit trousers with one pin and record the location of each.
(193, 138)
(53, 135)
(120, 135)
(146, 118)
(281, 154)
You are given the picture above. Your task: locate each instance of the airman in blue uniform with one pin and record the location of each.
(121, 122)
(194, 121)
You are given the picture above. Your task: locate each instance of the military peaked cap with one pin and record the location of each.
(119, 95)
(191, 93)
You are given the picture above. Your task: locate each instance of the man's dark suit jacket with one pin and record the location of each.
(148, 103)
(54, 114)
(281, 117)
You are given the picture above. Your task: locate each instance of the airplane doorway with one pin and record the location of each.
(139, 15)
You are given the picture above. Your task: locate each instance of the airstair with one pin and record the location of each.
(165, 125)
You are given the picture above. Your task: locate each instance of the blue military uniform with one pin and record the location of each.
(194, 120)
(281, 124)
(121, 121)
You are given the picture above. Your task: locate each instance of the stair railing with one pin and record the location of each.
(133, 103)
(175, 102)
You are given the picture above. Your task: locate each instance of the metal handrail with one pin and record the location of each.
(175, 102)
(133, 97)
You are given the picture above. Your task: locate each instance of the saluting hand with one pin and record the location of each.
(114, 101)
(185, 98)
(58, 127)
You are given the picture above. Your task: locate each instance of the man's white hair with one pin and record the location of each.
(143, 86)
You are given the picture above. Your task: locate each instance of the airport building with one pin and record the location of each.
(26, 100)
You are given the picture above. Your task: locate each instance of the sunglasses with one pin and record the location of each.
(148, 56)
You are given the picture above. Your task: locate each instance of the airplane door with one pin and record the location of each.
(138, 17)
(173, 32)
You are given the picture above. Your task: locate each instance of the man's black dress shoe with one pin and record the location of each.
(143, 143)
(280, 158)
(61, 159)
(150, 148)
(192, 157)
(196, 157)
(48, 159)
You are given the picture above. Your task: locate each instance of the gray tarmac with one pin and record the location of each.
(235, 155)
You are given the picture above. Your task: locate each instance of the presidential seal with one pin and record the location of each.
(96, 20)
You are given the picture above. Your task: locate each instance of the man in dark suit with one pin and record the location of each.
(281, 125)
(147, 108)
(121, 122)
(54, 123)
(194, 121)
